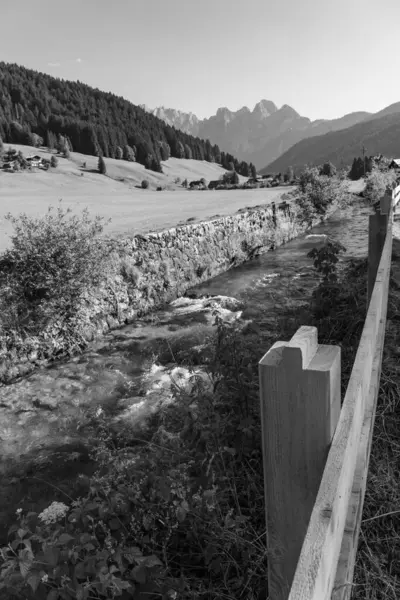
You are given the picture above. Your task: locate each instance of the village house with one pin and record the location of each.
(10, 165)
(395, 164)
(34, 161)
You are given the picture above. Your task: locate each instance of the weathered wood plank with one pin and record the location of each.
(316, 570)
(344, 575)
(300, 407)
(378, 224)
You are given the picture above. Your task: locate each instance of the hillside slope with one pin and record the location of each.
(93, 121)
(119, 195)
(378, 135)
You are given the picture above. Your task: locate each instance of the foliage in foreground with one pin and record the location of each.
(315, 192)
(53, 262)
(377, 183)
(180, 516)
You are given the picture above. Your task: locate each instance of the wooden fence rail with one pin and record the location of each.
(315, 451)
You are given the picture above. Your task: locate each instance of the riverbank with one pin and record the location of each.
(194, 482)
(148, 271)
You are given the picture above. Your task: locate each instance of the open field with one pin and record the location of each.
(131, 209)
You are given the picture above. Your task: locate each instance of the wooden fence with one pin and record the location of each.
(315, 450)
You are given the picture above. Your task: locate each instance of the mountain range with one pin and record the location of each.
(260, 135)
(378, 134)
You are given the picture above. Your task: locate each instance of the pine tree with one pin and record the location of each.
(235, 178)
(128, 153)
(102, 166)
(1, 146)
(156, 166)
(119, 153)
(253, 171)
(289, 175)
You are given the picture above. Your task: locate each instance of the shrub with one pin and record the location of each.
(145, 184)
(102, 166)
(376, 184)
(54, 262)
(328, 169)
(54, 161)
(316, 192)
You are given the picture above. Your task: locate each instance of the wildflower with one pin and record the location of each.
(45, 578)
(18, 511)
(52, 513)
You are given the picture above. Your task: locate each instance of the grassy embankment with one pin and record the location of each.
(119, 195)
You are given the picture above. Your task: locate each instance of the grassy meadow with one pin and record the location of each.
(118, 194)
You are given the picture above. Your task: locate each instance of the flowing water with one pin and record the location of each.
(41, 415)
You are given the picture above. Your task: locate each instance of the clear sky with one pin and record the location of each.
(323, 58)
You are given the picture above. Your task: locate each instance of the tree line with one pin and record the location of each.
(36, 107)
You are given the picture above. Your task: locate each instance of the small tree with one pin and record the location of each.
(235, 178)
(52, 263)
(145, 184)
(253, 171)
(53, 161)
(119, 153)
(156, 165)
(102, 166)
(289, 175)
(185, 183)
(129, 153)
(328, 169)
(1, 146)
(66, 151)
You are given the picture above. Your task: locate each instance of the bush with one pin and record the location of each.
(315, 192)
(328, 169)
(54, 161)
(145, 184)
(376, 184)
(102, 166)
(54, 262)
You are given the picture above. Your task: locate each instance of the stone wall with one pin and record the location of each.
(158, 267)
(150, 270)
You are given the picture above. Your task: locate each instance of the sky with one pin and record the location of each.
(325, 59)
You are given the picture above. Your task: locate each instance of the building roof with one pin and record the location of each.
(396, 161)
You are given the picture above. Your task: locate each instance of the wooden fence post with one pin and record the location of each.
(300, 408)
(376, 239)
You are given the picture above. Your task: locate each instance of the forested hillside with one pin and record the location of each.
(36, 108)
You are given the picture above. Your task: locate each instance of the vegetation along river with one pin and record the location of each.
(123, 375)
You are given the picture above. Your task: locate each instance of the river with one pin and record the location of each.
(43, 415)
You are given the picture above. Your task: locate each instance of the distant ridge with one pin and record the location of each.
(260, 135)
(379, 134)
